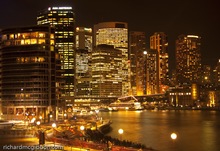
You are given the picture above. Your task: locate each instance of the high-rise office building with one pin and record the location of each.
(206, 75)
(137, 44)
(115, 34)
(63, 20)
(159, 42)
(29, 71)
(83, 72)
(148, 77)
(216, 74)
(84, 38)
(188, 59)
(106, 72)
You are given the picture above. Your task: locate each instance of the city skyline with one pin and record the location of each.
(172, 17)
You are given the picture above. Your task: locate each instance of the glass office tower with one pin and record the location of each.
(188, 59)
(115, 34)
(137, 46)
(159, 42)
(63, 20)
(83, 71)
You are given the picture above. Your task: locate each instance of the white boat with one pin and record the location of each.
(5, 124)
(129, 105)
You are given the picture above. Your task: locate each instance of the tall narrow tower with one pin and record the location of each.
(137, 46)
(63, 20)
(188, 59)
(83, 72)
(158, 41)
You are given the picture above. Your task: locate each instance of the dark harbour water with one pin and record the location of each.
(196, 130)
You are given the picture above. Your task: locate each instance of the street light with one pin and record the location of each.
(40, 117)
(54, 125)
(120, 131)
(65, 115)
(38, 124)
(41, 134)
(82, 128)
(173, 136)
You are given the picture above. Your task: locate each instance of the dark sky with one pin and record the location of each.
(174, 17)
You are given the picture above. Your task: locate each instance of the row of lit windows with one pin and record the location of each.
(29, 42)
(187, 93)
(30, 59)
(26, 35)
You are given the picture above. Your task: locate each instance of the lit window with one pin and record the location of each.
(33, 41)
(52, 48)
(41, 35)
(22, 42)
(11, 36)
(52, 42)
(41, 41)
(52, 36)
(27, 41)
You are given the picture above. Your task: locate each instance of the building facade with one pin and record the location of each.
(159, 42)
(216, 74)
(84, 38)
(115, 34)
(137, 46)
(106, 72)
(188, 59)
(29, 72)
(83, 72)
(151, 76)
(63, 20)
(206, 77)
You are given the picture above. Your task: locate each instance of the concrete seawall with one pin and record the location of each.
(4, 133)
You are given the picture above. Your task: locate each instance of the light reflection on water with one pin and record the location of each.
(196, 130)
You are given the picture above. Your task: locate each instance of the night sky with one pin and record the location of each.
(174, 17)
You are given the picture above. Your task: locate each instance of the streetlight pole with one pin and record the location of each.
(54, 126)
(38, 124)
(82, 129)
(120, 131)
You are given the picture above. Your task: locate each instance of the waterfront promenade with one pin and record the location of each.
(65, 138)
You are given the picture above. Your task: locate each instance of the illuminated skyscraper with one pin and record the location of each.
(216, 73)
(63, 20)
(206, 75)
(115, 34)
(29, 71)
(83, 72)
(106, 72)
(149, 76)
(158, 41)
(84, 38)
(188, 59)
(137, 47)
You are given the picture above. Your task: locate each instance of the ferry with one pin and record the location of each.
(5, 124)
(129, 105)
